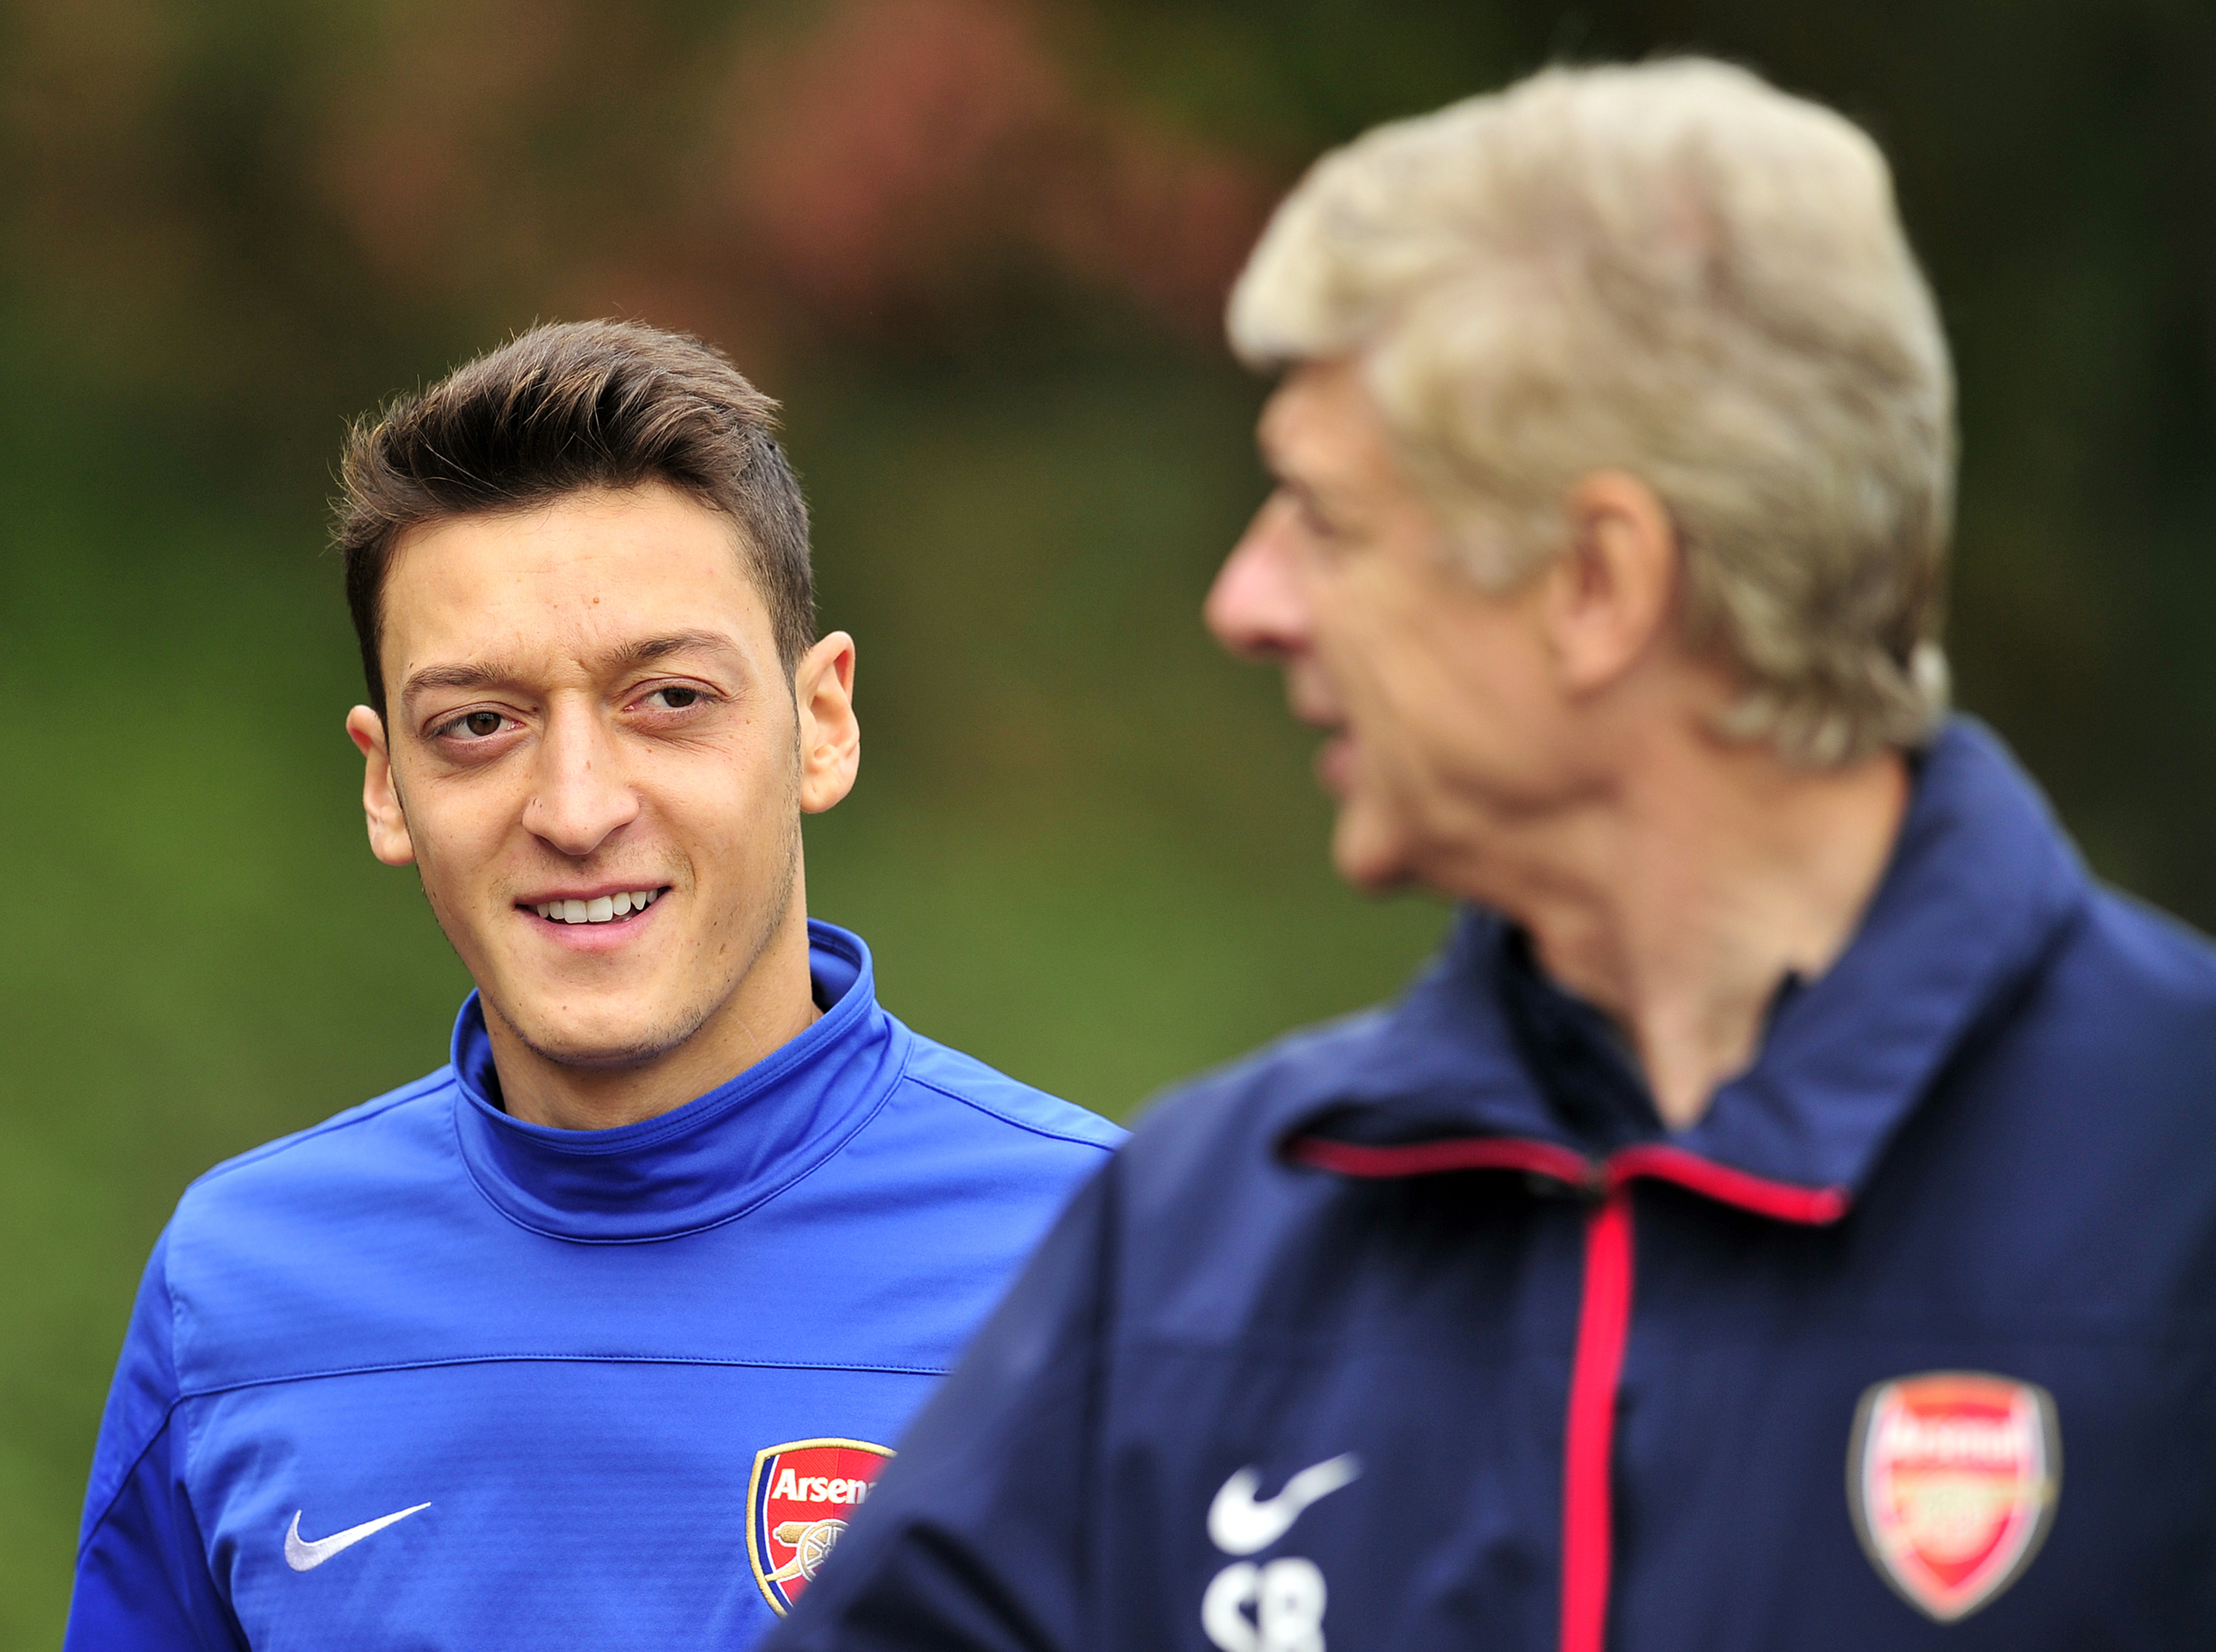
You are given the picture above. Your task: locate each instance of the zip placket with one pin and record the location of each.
(1604, 1308)
(1589, 1442)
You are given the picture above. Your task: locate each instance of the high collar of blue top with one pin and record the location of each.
(1980, 886)
(708, 1161)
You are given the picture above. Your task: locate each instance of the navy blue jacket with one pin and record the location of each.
(1420, 1331)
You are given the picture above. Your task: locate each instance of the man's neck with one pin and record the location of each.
(1679, 902)
(773, 1004)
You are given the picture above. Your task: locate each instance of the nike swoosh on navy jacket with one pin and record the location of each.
(1910, 1342)
(427, 1376)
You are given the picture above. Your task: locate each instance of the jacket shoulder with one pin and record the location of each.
(998, 1100)
(2148, 950)
(359, 1144)
(2131, 990)
(1254, 1095)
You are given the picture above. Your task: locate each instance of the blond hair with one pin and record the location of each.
(1675, 270)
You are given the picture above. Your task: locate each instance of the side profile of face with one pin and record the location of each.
(1453, 715)
(597, 762)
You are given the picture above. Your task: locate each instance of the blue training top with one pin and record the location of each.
(428, 1375)
(1421, 1332)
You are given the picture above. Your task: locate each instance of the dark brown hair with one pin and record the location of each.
(566, 407)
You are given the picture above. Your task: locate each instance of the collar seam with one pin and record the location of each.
(742, 1086)
(836, 1142)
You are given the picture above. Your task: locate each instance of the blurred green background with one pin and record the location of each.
(979, 247)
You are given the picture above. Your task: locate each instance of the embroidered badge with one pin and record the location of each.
(1952, 1477)
(799, 1501)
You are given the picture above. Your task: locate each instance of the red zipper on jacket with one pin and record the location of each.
(1589, 1442)
(1604, 1310)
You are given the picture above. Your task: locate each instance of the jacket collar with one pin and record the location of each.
(709, 1161)
(1980, 886)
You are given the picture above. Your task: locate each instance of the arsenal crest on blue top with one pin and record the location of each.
(799, 1501)
(1953, 1477)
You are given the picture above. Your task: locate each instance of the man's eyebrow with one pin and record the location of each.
(1320, 498)
(649, 649)
(456, 676)
(1277, 463)
(629, 657)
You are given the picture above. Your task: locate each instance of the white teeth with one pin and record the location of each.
(601, 909)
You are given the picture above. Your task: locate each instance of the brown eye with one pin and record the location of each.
(482, 723)
(678, 699)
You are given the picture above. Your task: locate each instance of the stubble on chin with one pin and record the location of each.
(685, 1021)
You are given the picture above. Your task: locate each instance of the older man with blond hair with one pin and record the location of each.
(1792, 1158)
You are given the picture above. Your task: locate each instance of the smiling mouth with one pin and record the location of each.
(601, 909)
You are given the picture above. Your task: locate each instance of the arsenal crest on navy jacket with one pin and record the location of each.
(1419, 1331)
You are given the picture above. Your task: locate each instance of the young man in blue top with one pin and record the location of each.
(1784, 1219)
(597, 1336)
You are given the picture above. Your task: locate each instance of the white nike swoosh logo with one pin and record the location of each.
(303, 1555)
(1239, 1525)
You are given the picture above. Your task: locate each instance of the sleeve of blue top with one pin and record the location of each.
(974, 1536)
(142, 1572)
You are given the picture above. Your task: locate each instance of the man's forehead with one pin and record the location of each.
(599, 582)
(645, 529)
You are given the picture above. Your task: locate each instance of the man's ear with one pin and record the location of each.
(830, 736)
(380, 799)
(1612, 595)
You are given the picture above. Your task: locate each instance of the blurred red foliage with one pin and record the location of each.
(228, 181)
(908, 143)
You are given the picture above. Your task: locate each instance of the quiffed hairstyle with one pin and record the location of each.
(1675, 270)
(561, 408)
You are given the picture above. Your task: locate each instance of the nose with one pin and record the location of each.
(581, 798)
(1256, 609)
